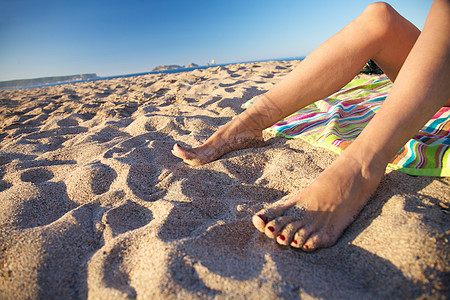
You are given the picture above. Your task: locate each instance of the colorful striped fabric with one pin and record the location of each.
(336, 121)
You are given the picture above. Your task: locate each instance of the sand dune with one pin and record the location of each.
(93, 204)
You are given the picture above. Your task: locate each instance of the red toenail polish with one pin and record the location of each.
(294, 242)
(264, 218)
(271, 229)
(281, 237)
(305, 246)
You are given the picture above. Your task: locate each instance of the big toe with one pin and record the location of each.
(259, 221)
(187, 155)
(264, 216)
(179, 152)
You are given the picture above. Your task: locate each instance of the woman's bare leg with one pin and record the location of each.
(379, 33)
(318, 215)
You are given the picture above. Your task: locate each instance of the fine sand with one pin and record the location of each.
(93, 204)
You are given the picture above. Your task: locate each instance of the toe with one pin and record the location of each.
(264, 216)
(285, 237)
(274, 227)
(189, 156)
(259, 221)
(312, 243)
(316, 241)
(178, 151)
(300, 237)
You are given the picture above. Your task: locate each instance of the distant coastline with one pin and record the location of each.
(20, 83)
(27, 83)
(173, 67)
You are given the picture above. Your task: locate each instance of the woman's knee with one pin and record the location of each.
(379, 18)
(380, 10)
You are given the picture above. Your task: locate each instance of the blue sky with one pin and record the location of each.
(109, 37)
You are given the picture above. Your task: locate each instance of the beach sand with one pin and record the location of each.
(94, 205)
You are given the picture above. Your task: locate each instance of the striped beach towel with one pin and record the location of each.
(336, 121)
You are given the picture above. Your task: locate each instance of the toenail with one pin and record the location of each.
(305, 246)
(264, 218)
(281, 237)
(294, 242)
(271, 229)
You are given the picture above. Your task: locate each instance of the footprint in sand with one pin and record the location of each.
(26, 205)
(68, 122)
(105, 135)
(225, 251)
(110, 260)
(51, 139)
(89, 181)
(36, 175)
(114, 273)
(142, 180)
(208, 197)
(124, 218)
(4, 185)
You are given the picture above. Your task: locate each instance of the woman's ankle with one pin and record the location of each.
(372, 163)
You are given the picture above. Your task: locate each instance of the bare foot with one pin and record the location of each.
(233, 136)
(317, 216)
(244, 131)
